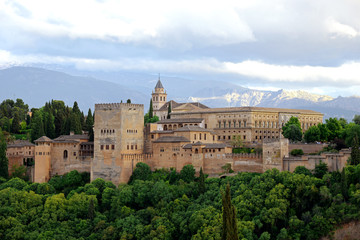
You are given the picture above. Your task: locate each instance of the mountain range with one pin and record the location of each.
(37, 85)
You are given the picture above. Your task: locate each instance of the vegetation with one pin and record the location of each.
(297, 152)
(170, 205)
(292, 130)
(52, 120)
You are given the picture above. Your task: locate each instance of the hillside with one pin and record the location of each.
(37, 86)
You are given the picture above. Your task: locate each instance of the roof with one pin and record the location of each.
(43, 139)
(192, 128)
(207, 145)
(71, 138)
(248, 109)
(175, 105)
(165, 139)
(20, 143)
(181, 120)
(162, 131)
(159, 84)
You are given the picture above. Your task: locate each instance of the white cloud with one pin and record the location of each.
(339, 29)
(347, 73)
(152, 22)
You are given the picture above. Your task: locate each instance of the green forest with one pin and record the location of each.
(169, 205)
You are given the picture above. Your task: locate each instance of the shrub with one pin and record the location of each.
(297, 152)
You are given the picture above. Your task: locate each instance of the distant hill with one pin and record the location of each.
(37, 86)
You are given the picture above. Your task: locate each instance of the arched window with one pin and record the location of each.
(196, 151)
(65, 153)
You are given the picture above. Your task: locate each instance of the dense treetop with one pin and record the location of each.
(168, 205)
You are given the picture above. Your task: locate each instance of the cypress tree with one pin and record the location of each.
(229, 227)
(91, 209)
(3, 159)
(169, 111)
(37, 126)
(344, 185)
(15, 126)
(202, 187)
(355, 152)
(89, 125)
(151, 111)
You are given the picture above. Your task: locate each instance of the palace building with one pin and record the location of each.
(191, 133)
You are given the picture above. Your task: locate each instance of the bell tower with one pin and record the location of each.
(159, 96)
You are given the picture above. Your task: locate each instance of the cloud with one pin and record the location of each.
(339, 29)
(156, 23)
(347, 73)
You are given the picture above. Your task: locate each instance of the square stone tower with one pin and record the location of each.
(118, 131)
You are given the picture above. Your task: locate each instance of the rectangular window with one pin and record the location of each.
(152, 136)
(135, 147)
(194, 136)
(112, 147)
(127, 147)
(107, 147)
(74, 153)
(205, 136)
(162, 150)
(102, 147)
(200, 136)
(132, 147)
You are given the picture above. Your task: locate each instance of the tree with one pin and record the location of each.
(89, 125)
(334, 126)
(187, 173)
(236, 142)
(324, 132)
(292, 130)
(4, 172)
(312, 134)
(151, 111)
(302, 170)
(169, 111)
(229, 226)
(355, 152)
(356, 119)
(142, 172)
(128, 101)
(37, 126)
(320, 169)
(15, 125)
(202, 187)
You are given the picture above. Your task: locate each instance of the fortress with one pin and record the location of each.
(194, 134)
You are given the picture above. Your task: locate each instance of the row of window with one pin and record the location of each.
(132, 147)
(107, 131)
(200, 136)
(266, 124)
(131, 131)
(263, 137)
(229, 137)
(17, 153)
(107, 147)
(156, 98)
(231, 124)
(42, 153)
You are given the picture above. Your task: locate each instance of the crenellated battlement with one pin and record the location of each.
(110, 106)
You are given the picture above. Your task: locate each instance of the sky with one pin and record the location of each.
(280, 44)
